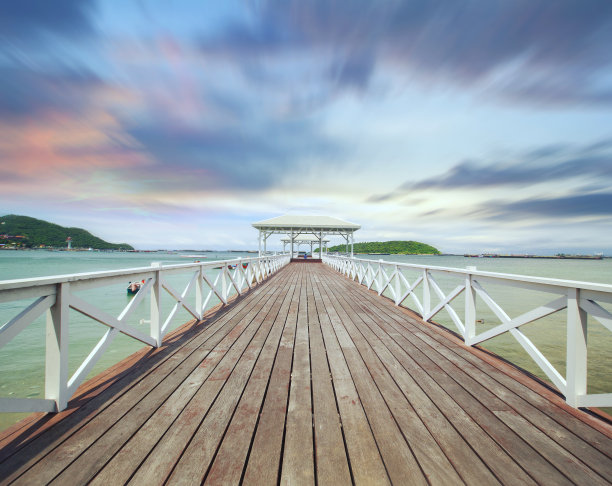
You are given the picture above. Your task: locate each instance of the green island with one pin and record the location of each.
(389, 248)
(26, 232)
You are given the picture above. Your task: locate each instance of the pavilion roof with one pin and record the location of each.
(309, 224)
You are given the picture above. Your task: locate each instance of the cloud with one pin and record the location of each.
(28, 20)
(566, 207)
(551, 52)
(547, 164)
(25, 91)
(242, 157)
(355, 70)
(473, 175)
(571, 88)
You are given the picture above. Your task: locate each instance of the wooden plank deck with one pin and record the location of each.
(310, 379)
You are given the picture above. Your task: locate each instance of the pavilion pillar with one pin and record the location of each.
(352, 241)
(291, 243)
(259, 240)
(320, 244)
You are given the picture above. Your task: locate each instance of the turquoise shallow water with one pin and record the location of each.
(22, 360)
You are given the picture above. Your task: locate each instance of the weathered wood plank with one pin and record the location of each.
(331, 458)
(366, 463)
(230, 460)
(224, 358)
(298, 453)
(575, 470)
(429, 433)
(263, 466)
(398, 440)
(446, 420)
(196, 458)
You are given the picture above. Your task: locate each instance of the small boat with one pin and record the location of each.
(232, 267)
(134, 287)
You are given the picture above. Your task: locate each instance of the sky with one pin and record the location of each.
(470, 125)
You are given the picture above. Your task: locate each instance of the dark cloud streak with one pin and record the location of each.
(24, 21)
(472, 175)
(592, 163)
(25, 91)
(251, 159)
(452, 41)
(572, 206)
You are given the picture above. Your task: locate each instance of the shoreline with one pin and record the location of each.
(545, 257)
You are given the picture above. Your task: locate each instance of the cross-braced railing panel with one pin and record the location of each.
(166, 294)
(470, 298)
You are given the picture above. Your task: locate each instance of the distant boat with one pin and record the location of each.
(231, 267)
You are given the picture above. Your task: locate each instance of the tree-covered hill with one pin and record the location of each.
(37, 232)
(391, 247)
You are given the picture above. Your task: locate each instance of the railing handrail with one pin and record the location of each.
(75, 277)
(554, 282)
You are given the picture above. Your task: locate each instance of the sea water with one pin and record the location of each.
(22, 360)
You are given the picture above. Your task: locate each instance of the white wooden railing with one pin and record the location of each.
(581, 299)
(211, 282)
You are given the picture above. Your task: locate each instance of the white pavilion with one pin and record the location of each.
(297, 227)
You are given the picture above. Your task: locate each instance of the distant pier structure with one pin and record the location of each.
(298, 228)
(304, 240)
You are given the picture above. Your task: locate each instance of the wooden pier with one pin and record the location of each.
(310, 379)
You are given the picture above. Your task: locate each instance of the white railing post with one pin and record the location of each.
(156, 311)
(426, 293)
(398, 285)
(56, 359)
(576, 372)
(224, 282)
(470, 310)
(379, 278)
(199, 290)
